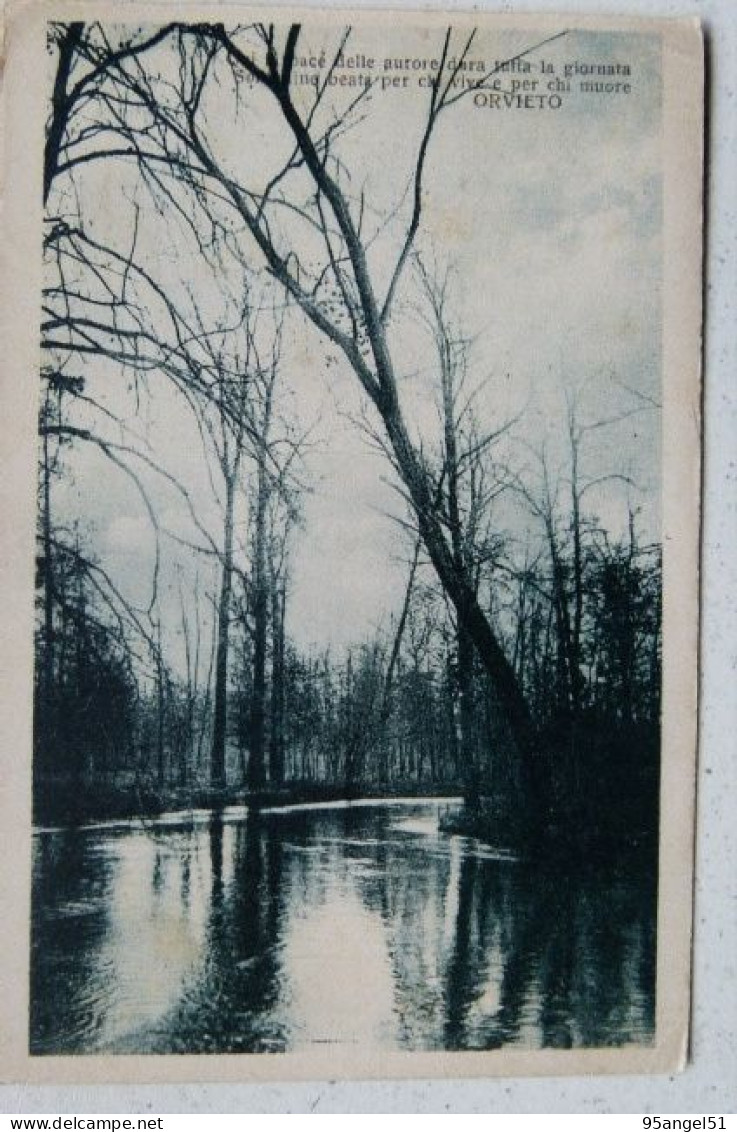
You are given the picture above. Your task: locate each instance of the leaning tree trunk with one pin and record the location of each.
(218, 777)
(517, 804)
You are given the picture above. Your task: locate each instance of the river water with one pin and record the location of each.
(357, 924)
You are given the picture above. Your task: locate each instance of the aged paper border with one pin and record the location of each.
(682, 300)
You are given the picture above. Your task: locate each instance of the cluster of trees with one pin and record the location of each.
(509, 657)
(573, 957)
(112, 702)
(408, 712)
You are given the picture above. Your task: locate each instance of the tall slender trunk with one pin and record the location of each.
(80, 742)
(467, 714)
(218, 778)
(186, 743)
(458, 588)
(520, 641)
(276, 748)
(46, 714)
(384, 394)
(378, 379)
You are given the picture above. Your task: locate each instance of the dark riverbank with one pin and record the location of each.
(62, 803)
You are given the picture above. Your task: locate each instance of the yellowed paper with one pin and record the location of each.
(351, 454)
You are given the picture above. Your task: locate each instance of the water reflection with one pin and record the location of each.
(359, 925)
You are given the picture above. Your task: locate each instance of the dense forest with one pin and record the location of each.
(518, 662)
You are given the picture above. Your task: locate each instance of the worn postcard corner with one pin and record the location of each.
(351, 461)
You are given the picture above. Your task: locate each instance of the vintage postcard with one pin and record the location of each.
(351, 451)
